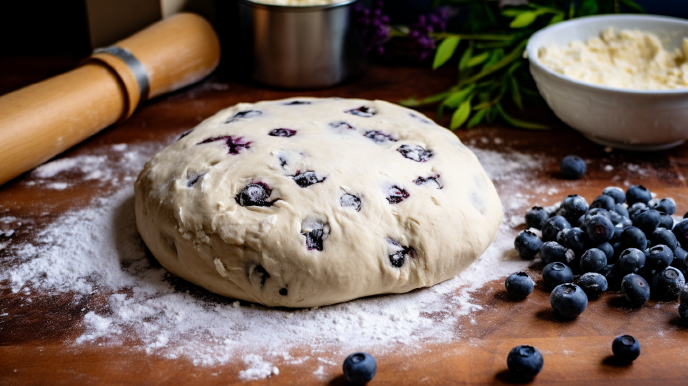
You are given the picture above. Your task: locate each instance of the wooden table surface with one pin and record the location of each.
(36, 339)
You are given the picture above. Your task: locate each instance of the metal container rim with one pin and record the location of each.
(296, 8)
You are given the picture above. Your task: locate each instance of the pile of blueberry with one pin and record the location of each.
(625, 242)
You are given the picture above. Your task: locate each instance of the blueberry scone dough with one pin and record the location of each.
(307, 202)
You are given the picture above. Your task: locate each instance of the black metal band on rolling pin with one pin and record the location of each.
(137, 68)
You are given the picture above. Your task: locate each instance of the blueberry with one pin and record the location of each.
(647, 221)
(659, 257)
(519, 285)
(666, 205)
(399, 252)
(568, 300)
(625, 348)
(527, 244)
(685, 215)
(617, 219)
(680, 230)
(295, 103)
(574, 239)
(616, 193)
(524, 362)
(306, 179)
(350, 201)
(573, 207)
(553, 226)
(638, 193)
(666, 221)
(680, 256)
(668, 283)
(633, 237)
(430, 181)
(556, 273)
(260, 273)
(363, 111)
(234, 145)
(607, 249)
(282, 132)
(245, 114)
(359, 367)
(315, 233)
(631, 260)
(396, 194)
(553, 252)
(254, 194)
(536, 217)
(636, 207)
(604, 202)
(194, 179)
(572, 167)
(663, 236)
(598, 211)
(613, 275)
(378, 136)
(635, 289)
(638, 212)
(599, 229)
(593, 284)
(619, 208)
(593, 260)
(341, 125)
(415, 153)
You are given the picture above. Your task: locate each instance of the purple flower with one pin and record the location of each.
(427, 24)
(373, 27)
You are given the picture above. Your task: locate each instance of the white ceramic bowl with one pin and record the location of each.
(621, 118)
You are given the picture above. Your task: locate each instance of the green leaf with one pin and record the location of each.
(495, 56)
(474, 61)
(513, 12)
(508, 59)
(519, 123)
(515, 93)
(458, 97)
(445, 51)
(477, 118)
(632, 6)
(572, 9)
(558, 18)
(588, 7)
(463, 63)
(460, 115)
(491, 114)
(524, 19)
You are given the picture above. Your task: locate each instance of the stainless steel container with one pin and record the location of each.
(301, 46)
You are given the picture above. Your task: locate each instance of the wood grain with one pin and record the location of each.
(36, 339)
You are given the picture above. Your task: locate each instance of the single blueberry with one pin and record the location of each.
(527, 244)
(553, 226)
(307, 178)
(636, 207)
(363, 111)
(607, 249)
(396, 194)
(666, 221)
(415, 153)
(631, 260)
(378, 136)
(568, 300)
(573, 238)
(662, 236)
(398, 255)
(633, 237)
(635, 289)
(593, 284)
(341, 125)
(616, 193)
(625, 348)
(260, 273)
(524, 362)
(599, 229)
(604, 202)
(430, 181)
(282, 132)
(666, 205)
(519, 285)
(668, 283)
(359, 367)
(553, 252)
(647, 221)
(659, 257)
(556, 273)
(254, 194)
(598, 212)
(593, 260)
(572, 167)
(620, 209)
(234, 145)
(680, 256)
(316, 235)
(283, 291)
(680, 230)
(573, 207)
(638, 193)
(350, 201)
(536, 217)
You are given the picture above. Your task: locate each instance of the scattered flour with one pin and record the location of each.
(98, 250)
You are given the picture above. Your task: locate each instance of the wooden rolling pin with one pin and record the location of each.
(42, 120)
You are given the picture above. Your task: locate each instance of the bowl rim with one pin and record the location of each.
(296, 8)
(532, 53)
